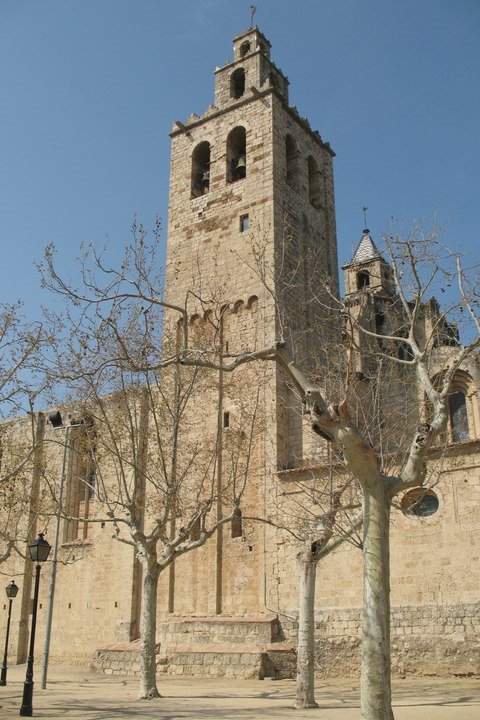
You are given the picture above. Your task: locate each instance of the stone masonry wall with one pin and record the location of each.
(425, 640)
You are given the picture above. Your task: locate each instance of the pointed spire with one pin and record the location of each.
(366, 250)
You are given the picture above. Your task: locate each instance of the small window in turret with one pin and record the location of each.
(237, 83)
(244, 49)
(200, 181)
(363, 280)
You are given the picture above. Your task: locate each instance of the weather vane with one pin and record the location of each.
(365, 216)
(253, 8)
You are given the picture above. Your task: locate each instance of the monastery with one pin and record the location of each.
(251, 166)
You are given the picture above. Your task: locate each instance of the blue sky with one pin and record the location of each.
(90, 89)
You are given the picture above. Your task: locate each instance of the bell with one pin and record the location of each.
(241, 163)
(206, 177)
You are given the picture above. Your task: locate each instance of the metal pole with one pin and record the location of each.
(53, 571)
(27, 708)
(3, 679)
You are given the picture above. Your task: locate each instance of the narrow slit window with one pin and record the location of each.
(314, 194)
(195, 531)
(237, 527)
(226, 419)
(291, 155)
(244, 223)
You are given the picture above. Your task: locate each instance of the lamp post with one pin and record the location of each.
(39, 550)
(57, 424)
(11, 591)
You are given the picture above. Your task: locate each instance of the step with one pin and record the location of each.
(218, 630)
(275, 660)
(242, 647)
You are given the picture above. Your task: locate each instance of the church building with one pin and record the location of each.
(251, 172)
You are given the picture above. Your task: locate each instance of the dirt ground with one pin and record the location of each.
(79, 694)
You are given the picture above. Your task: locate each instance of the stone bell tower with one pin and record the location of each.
(249, 163)
(251, 167)
(371, 298)
(248, 170)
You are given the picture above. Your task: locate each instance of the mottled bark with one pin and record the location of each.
(305, 692)
(375, 674)
(148, 634)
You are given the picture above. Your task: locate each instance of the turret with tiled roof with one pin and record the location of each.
(367, 270)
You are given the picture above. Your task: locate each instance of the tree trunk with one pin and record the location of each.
(376, 700)
(148, 636)
(305, 693)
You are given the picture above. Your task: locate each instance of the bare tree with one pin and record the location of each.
(21, 384)
(322, 509)
(420, 340)
(163, 474)
(18, 342)
(16, 467)
(409, 343)
(21, 343)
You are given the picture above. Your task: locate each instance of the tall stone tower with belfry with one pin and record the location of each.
(248, 172)
(251, 167)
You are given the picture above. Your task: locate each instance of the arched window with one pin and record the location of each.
(80, 488)
(244, 48)
(363, 279)
(237, 529)
(236, 154)
(457, 411)
(380, 322)
(201, 169)
(314, 194)
(291, 155)
(462, 408)
(237, 83)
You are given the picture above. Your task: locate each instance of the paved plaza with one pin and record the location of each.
(79, 694)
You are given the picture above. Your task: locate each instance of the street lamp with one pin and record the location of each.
(11, 591)
(39, 550)
(57, 424)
